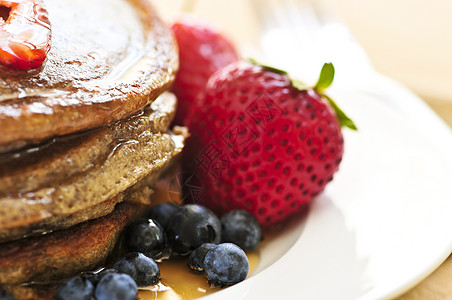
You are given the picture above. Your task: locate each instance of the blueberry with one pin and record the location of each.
(142, 269)
(226, 265)
(196, 258)
(95, 277)
(116, 286)
(162, 213)
(4, 295)
(76, 288)
(241, 228)
(191, 226)
(146, 236)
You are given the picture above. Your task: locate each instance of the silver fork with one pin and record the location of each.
(300, 35)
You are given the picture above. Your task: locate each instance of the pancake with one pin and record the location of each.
(72, 179)
(62, 254)
(33, 267)
(109, 59)
(83, 141)
(34, 291)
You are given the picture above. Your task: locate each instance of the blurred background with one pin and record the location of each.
(407, 40)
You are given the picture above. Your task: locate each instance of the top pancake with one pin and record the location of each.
(109, 59)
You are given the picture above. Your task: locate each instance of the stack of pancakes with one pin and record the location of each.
(83, 140)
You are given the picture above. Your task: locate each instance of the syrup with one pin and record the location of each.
(25, 34)
(177, 280)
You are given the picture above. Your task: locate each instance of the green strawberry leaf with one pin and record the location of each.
(325, 80)
(298, 84)
(326, 77)
(344, 120)
(270, 68)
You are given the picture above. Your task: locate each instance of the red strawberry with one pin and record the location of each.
(202, 51)
(24, 34)
(261, 144)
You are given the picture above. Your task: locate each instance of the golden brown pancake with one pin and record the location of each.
(72, 179)
(32, 268)
(109, 59)
(56, 256)
(83, 141)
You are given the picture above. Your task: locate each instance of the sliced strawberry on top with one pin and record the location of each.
(263, 142)
(24, 34)
(202, 51)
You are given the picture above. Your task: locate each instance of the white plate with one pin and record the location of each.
(383, 224)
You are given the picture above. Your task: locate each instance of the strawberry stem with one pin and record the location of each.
(325, 80)
(270, 68)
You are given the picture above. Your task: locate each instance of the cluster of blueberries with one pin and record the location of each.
(212, 245)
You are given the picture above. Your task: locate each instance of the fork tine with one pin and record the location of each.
(299, 36)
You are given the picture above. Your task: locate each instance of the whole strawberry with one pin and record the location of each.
(202, 51)
(262, 144)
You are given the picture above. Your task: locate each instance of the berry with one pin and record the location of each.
(95, 277)
(142, 269)
(202, 51)
(4, 295)
(116, 287)
(196, 258)
(226, 265)
(263, 143)
(24, 51)
(146, 236)
(191, 226)
(76, 288)
(241, 228)
(162, 213)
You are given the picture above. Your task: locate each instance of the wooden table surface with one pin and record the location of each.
(408, 40)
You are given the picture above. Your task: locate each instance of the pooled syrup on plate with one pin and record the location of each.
(177, 280)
